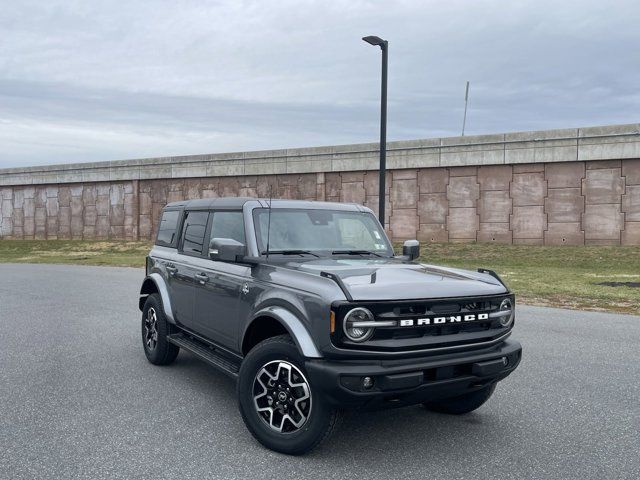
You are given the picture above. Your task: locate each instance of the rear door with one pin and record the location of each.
(218, 295)
(165, 252)
(191, 248)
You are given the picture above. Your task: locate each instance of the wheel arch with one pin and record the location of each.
(154, 283)
(273, 321)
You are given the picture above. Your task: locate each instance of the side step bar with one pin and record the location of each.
(205, 352)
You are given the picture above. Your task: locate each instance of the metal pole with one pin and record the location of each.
(383, 132)
(466, 100)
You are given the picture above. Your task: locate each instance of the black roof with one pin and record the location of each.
(224, 202)
(238, 202)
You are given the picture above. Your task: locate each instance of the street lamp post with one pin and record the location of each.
(384, 46)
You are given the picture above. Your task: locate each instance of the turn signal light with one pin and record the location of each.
(332, 321)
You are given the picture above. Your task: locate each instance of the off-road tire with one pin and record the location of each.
(463, 403)
(160, 352)
(321, 418)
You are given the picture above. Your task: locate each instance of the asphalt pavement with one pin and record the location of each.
(79, 400)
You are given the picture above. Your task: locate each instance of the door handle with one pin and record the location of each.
(202, 278)
(172, 270)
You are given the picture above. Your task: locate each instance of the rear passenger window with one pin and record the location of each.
(193, 233)
(228, 225)
(168, 228)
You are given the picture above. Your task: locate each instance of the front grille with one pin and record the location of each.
(424, 336)
(433, 331)
(433, 308)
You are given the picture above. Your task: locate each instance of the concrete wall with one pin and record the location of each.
(577, 186)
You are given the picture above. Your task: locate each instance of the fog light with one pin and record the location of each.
(367, 383)
(505, 361)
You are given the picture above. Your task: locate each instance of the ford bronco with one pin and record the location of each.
(306, 305)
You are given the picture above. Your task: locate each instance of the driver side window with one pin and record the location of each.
(228, 225)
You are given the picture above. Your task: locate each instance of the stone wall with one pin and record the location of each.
(74, 211)
(530, 188)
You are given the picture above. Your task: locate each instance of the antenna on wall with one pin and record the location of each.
(269, 219)
(466, 101)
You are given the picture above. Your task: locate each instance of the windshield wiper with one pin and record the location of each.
(290, 252)
(355, 252)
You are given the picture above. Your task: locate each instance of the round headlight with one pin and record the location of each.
(507, 306)
(355, 324)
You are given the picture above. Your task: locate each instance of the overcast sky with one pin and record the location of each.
(100, 80)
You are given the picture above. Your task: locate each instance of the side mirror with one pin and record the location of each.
(411, 249)
(226, 249)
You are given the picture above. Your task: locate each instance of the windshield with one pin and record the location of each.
(321, 231)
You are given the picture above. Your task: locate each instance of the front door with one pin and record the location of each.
(217, 302)
(221, 285)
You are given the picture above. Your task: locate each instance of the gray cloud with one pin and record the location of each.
(87, 81)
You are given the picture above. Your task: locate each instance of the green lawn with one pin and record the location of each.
(76, 252)
(553, 276)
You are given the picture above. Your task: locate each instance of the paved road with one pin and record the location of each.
(79, 400)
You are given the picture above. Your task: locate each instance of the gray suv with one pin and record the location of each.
(306, 305)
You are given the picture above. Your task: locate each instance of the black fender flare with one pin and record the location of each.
(161, 287)
(292, 324)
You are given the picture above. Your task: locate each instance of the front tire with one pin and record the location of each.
(155, 329)
(463, 403)
(278, 404)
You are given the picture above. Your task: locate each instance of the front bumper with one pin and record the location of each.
(412, 380)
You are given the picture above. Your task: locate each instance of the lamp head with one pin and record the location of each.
(373, 40)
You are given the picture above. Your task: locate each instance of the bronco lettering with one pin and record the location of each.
(472, 317)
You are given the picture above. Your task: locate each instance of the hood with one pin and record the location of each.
(389, 279)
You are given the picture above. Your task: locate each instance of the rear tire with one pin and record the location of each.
(278, 404)
(155, 329)
(463, 403)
